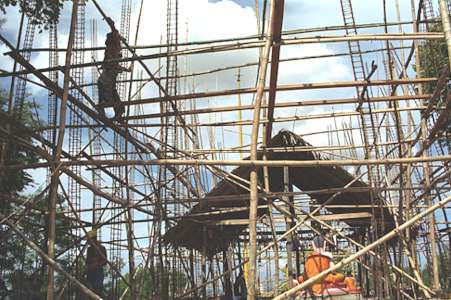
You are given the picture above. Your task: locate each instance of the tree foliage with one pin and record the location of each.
(152, 285)
(444, 262)
(23, 273)
(433, 58)
(41, 12)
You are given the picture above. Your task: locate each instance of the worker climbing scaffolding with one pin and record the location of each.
(108, 95)
(113, 42)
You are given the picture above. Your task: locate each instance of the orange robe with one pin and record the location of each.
(350, 284)
(315, 264)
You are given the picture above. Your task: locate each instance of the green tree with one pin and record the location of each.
(144, 281)
(22, 271)
(42, 13)
(444, 262)
(433, 58)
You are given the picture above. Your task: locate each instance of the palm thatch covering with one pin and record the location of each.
(196, 225)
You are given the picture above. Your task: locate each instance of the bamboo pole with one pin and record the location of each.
(365, 250)
(286, 32)
(57, 155)
(253, 201)
(445, 18)
(303, 103)
(255, 44)
(444, 13)
(280, 87)
(249, 163)
(311, 117)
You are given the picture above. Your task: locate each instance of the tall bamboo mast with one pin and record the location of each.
(57, 154)
(251, 282)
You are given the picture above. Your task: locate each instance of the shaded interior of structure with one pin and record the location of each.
(227, 194)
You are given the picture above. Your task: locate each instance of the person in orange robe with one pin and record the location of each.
(350, 282)
(315, 264)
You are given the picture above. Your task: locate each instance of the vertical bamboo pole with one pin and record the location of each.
(418, 69)
(57, 155)
(266, 179)
(286, 188)
(240, 113)
(204, 261)
(446, 26)
(251, 282)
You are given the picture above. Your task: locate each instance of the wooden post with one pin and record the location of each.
(57, 155)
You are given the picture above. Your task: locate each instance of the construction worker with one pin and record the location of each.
(239, 287)
(110, 69)
(95, 261)
(113, 42)
(107, 87)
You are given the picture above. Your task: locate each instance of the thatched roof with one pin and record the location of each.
(188, 232)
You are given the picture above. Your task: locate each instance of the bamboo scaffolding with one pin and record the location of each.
(406, 166)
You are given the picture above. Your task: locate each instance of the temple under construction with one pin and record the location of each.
(191, 190)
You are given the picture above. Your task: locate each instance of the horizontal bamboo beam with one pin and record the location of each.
(302, 103)
(331, 217)
(296, 118)
(286, 32)
(257, 44)
(281, 88)
(256, 163)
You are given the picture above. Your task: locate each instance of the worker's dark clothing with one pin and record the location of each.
(318, 241)
(107, 87)
(239, 288)
(95, 260)
(113, 45)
